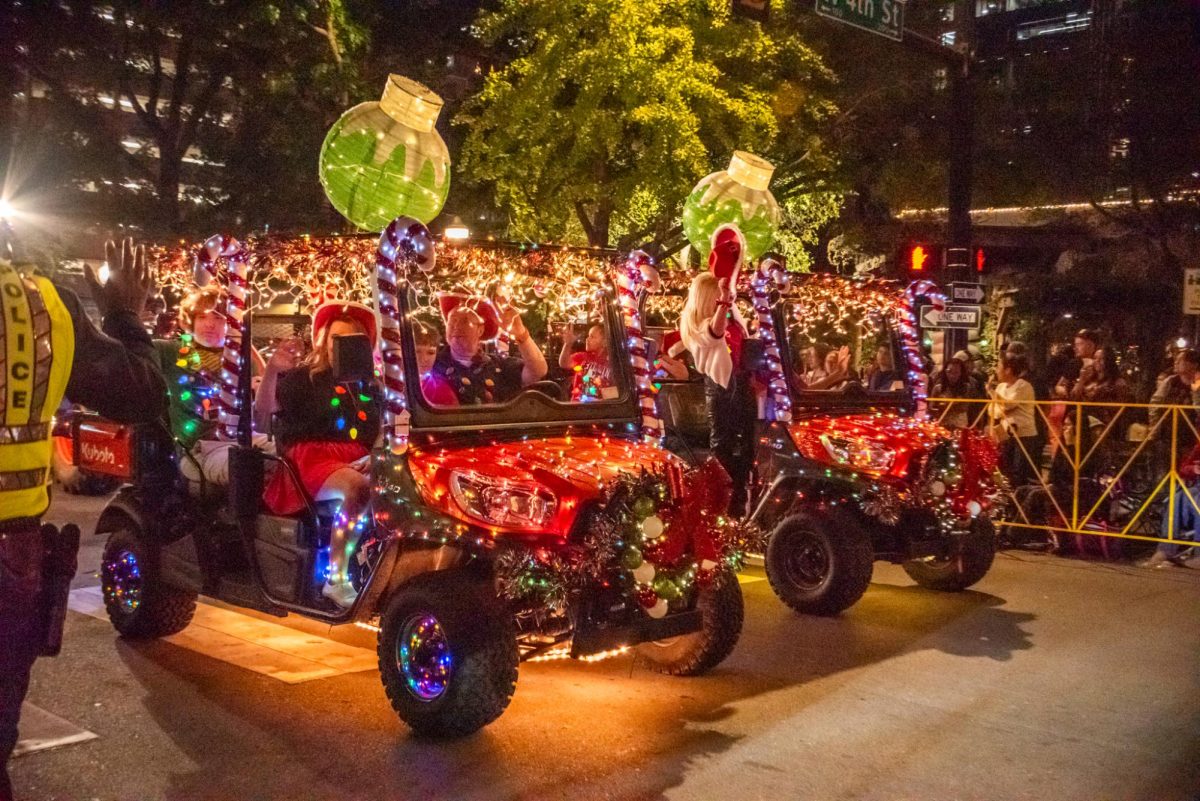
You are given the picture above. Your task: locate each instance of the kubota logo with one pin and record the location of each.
(97, 454)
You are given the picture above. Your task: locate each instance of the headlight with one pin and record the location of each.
(500, 502)
(860, 454)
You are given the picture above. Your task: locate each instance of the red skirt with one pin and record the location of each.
(315, 462)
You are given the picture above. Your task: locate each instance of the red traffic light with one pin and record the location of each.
(980, 260)
(917, 258)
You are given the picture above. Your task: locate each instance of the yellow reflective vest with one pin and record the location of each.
(37, 345)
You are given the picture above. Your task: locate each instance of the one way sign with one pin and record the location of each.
(967, 293)
(950, 317)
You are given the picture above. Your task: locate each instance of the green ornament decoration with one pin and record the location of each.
(738, 195)
(383, 160)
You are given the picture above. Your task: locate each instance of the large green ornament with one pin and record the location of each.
(737, 195)
(385, 160)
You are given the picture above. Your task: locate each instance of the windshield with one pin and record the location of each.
(538, 340)
(840, 337)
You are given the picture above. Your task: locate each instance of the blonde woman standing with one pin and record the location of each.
(713, 331)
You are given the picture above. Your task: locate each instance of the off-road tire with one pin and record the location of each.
(482, 640)
(961, 570)
(162, 609)
(722, 611)
(842, 543)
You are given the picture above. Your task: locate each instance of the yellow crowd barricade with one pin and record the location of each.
(1100, 469)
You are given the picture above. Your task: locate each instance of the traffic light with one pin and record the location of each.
(980, 260)
(921, 258)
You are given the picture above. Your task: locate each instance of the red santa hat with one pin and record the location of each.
(672, 344)
(335, 309)
(483, 308)
(728, 252)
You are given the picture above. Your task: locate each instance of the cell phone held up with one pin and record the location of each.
(352, 358)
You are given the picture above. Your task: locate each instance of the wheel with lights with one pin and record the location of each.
(722, 611)
(971, 561)
(139, 603)
(819, 562)
(447, 655)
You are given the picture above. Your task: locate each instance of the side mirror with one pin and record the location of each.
(352, 358)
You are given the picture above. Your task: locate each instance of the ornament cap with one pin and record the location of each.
(410, 103)
(751, 171)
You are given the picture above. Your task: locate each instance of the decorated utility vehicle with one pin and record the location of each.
(500, 530)
(848, 474)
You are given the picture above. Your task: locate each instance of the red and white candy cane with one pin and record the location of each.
(771, 274)
(405, 244)
(636, 275)
(215, 250)
(910, 340)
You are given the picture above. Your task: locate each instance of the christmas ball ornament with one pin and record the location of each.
(665, 588)
(737, 195)
(658, 610)
(632, 558)
(646, 598)
(652, 527)
(644, 573)
(643, 507)
(383, 160)
(974, 508)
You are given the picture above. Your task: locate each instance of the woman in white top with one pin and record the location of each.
(1013, 419)
(713, 331)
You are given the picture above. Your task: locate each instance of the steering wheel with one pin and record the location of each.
(550, 389)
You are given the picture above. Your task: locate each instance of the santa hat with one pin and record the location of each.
(672, 344)
(332, 310)
(728, 252)
(483, 308)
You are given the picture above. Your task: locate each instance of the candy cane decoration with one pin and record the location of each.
(405, 243)
(771, 273)
(637, 274)
(216, 249)
(910, 340)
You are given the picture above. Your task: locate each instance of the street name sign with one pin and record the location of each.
(967, 293)
(884, 17)
(950, 317)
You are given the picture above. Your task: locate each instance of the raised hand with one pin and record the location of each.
(130, 280)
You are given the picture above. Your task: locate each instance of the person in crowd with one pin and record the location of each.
(835, 371)
(435, 388)
(1012, 412)
(714, 332)
(1180, 388)
(51, 348)
(1099, 382)
(1181, 518)
(326, 428)
(883, 376)
(191, 365)
(476, 376)
(1083, 353)
(591, 370)
(956, 381)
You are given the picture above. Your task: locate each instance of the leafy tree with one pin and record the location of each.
(191, 73)
(610, 110)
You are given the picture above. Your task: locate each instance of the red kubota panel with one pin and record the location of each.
(105, 448)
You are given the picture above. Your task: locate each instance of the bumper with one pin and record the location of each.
(593, 639)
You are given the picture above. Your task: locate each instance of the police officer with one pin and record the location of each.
(48, 348)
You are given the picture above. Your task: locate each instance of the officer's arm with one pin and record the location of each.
(115, 372)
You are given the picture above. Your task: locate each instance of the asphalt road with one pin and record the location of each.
(1052, 679)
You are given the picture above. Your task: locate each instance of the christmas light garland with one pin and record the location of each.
(772, 275)
(636, 276)
(910, 340)
(216, 250)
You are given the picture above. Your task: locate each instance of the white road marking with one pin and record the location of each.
(40, 730)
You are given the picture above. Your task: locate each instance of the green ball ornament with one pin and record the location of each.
(666, 589)
(632, 558)
(739, 196)
(383, 160)
(643, 507)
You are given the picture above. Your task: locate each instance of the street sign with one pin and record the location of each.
(752, 9)
(967, 293)
(950, 317)
(1191, 291)
(884, 17)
